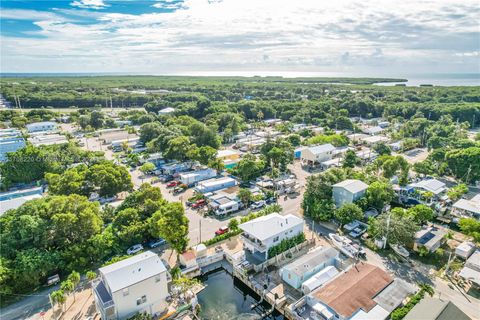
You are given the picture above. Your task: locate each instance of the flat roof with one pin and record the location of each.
(435, 309)
(393, 295)
(312, 259)
(354, 289)
(127, 272)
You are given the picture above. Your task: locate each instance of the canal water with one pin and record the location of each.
(226, 298)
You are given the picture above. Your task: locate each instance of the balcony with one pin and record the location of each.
(257, 244)
(104, 297)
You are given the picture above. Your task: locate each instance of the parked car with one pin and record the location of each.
(166, 178)
(199, 203)
(156, 242)
(134, 249)
(221, 231)
(258, 204)
(173, 183)
(53, 280)
(179, 189)
(271, 200)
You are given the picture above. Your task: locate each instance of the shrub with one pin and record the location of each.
(401, 312)
(222, 237)
(286, 244)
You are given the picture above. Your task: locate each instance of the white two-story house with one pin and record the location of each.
(262, 233)
(134, 285)
(317, 154)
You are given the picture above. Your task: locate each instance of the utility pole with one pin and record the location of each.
(388, 228)
(200, 227)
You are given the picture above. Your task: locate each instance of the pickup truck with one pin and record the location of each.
(221, 231)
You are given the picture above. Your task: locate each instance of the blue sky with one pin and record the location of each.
(368, 37)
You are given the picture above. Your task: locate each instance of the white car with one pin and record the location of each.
(134, 249)
(258, 204)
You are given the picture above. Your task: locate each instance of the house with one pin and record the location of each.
(430, 238)
(213, 185)
(471, 271)
(166, 111)
(228, 154)
(137, 284)
(435, 309)
(348, 191)
(373, 140)
(303, 268)
(47, 139)
(363, 291)
(10, 144)
(230, 158)
(465, 250)
(395, 146)
(14, 199)
(41, 126)
(317, 154)
(335, 162)
(373, 130)
(191, 178)
(264, 232)
(430, 185)
(173, 168)
(366, 155)
(223, 203)
(464, 208)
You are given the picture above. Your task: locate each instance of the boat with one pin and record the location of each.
(346, 246)
(400, 250)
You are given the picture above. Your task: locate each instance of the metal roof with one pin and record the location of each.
(322, 148)
(270, 225)
(352, 185)
(127, 272)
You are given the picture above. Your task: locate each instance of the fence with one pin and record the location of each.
(286, 256)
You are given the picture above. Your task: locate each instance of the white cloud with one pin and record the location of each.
(90, 4)
(369, 36)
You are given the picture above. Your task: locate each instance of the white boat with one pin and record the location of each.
(346, 246)
(400, 250)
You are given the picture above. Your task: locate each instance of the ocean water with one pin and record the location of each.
(436, 79)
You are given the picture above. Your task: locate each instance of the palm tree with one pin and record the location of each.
(74, 277)
(91, 275)
(427, 288)
(68, 287)
(58, 297)
(175, 272)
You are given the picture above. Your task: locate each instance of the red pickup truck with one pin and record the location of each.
(221, 231)
(199, 203)
(173, 183)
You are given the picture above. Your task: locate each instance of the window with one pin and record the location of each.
(141, 300)
(275, 239)
(158, 278)
(125, 292)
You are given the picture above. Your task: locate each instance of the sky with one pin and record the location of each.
(328, 37)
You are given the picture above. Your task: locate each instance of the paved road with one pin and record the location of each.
(28, 306)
